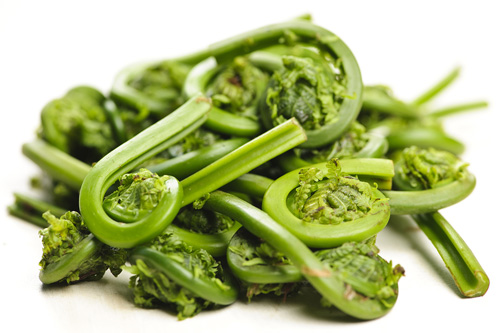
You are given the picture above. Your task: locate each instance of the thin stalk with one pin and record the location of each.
(465, 269)
(454, 109)
(433, 91)
(31, 209)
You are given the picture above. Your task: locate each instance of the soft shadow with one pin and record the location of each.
(306, 302)
(406, 228)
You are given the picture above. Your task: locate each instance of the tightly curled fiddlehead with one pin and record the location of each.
(336, 59)
(125, 158)
(168, 271)
(304, 90)
(77, 124)
(421, 169)
(329, 283)
(326, 208)
(71, 253)
(427, 180)
(151, 88)
(366, 273)
(262, 267)
(137, 195)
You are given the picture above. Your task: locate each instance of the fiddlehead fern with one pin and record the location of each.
(428, 180)
(167, 271)
(325, 208)
(77, 124)
(128, 156)
(71, 253)
(151, 88)
(329, 283)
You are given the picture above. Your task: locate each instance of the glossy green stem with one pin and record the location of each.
(261, 149)
(187, 164)
(424, 138)
(252, 184)
(58, 164)
(454, 109)
(330, 285)
(469, 276)
(433, 91)
(203, 288)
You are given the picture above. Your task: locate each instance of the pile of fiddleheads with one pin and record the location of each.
(256, 166)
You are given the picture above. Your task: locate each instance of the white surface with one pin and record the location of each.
(46, 47)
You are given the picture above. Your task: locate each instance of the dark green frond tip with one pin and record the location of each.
(332, 198)
(303, 90)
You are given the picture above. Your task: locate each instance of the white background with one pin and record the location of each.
(46, 47)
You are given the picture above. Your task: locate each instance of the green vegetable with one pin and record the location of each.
(128, 156)
(77, 124)
(71, 253)
(330, 284)
(312, 164)
(430, 180)
(324, 208)
(171, 272)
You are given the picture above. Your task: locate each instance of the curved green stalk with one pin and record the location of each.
(215, 244)
(251, 184)
(128, 156)
(82, 252)
(203, 288)
(468, 274)
(256, 269)
(303, 32)
(330, 285)
(424, 137)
